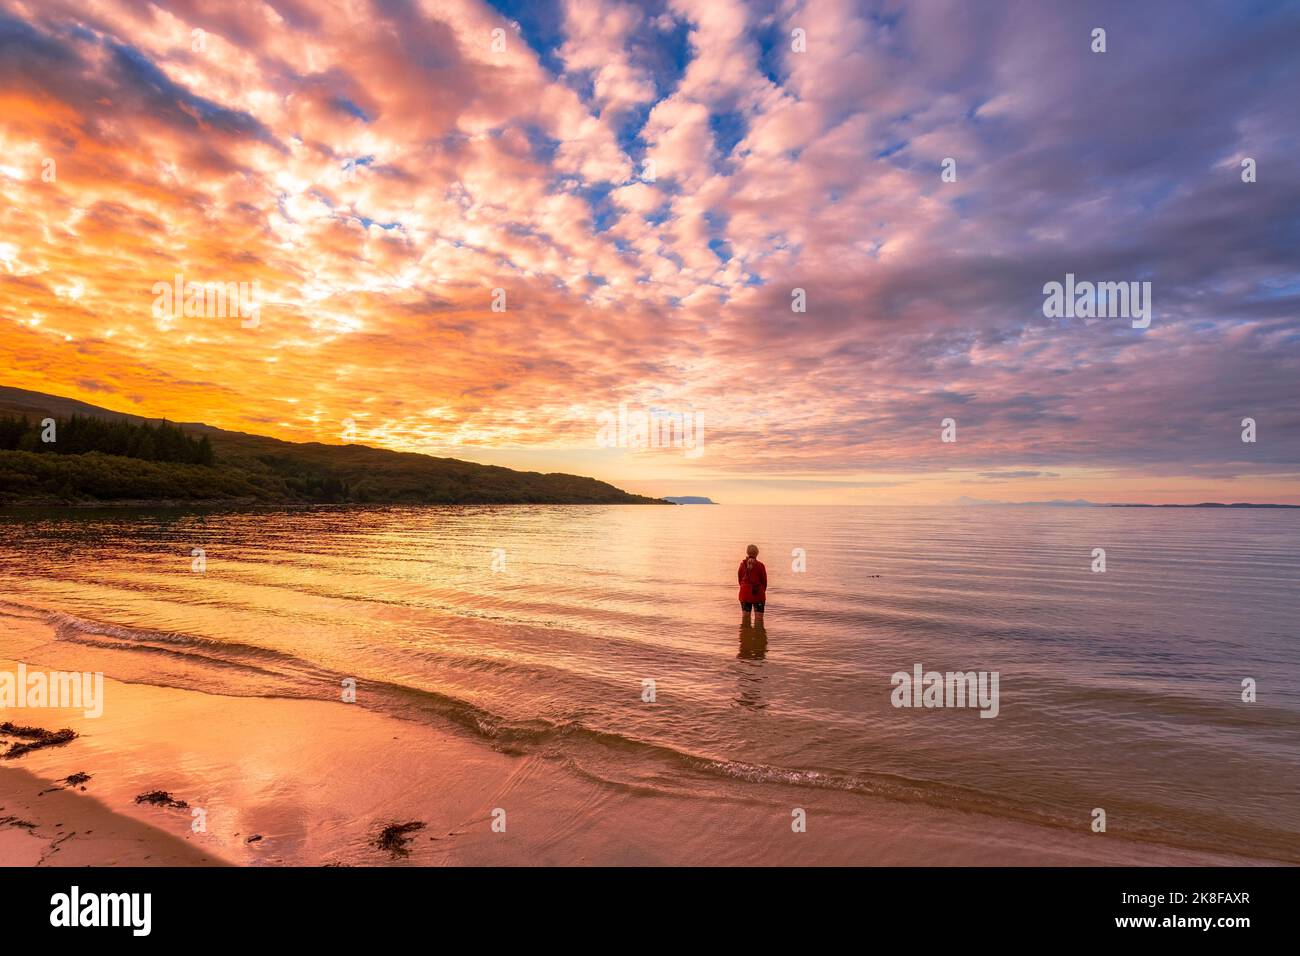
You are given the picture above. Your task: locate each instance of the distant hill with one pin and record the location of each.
(254, 469)
(690, 500)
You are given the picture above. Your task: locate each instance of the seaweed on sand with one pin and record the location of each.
(38, 736)
(77, 779)
(393, 837)
(161, 798)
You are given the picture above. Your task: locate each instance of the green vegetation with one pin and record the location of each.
(34, 478)
(114, 462)
(81, 434)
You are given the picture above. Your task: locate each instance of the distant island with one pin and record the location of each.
(689, 500)
(106, 457)
(1082, 503)
(1208, 504)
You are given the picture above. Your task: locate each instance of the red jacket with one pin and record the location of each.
(753, 584)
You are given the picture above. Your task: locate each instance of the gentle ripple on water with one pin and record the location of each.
(1119, 689)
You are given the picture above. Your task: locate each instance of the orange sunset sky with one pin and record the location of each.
(648, 183)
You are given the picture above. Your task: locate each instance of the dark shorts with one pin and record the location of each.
(748, 606)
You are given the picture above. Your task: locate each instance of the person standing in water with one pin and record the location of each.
(752, 577)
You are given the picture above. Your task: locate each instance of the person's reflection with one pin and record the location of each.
(753, 640)
(753, 647)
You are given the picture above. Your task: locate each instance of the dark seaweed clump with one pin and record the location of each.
(38, 738)
(394, 839)
(161, 798)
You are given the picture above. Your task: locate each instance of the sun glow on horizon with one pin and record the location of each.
(625, 212)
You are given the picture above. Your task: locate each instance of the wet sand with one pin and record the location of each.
(72, 829)
(302, 782)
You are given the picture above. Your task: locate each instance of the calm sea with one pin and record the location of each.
(539, 628)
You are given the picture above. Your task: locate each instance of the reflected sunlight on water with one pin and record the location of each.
(1119, 689)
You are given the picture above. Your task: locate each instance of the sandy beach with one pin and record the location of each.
(42, 824)
(291, 782)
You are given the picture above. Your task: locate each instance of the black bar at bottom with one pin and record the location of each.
(208, 906)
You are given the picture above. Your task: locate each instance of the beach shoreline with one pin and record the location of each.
(312, 783)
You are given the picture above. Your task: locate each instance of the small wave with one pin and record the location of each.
(289, 674)
(609, 756)
(71, 627)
